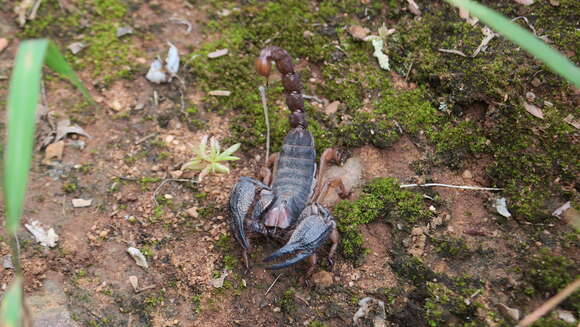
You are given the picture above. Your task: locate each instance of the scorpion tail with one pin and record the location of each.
(290, 81)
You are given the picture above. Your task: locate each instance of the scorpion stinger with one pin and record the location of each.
(285, 209)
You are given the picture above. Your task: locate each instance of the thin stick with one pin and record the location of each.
(274, 282)
(262, 90)
(463, 187)
(154, 197)
(145, 138)
(550, 304)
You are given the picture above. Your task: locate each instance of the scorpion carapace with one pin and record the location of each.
(283, 204)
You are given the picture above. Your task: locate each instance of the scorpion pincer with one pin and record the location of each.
(283, 204)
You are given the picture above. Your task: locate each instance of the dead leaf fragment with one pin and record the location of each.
(44, 237)
(217, 53)
(574, 122)
(220, 93)
(64, 128)
(535, 111)
(138, 257)
(501, 207)
(53, 151)
(525, 2)
(134, 282)
(358, 32)
(332, 107)
(219, 282)
(81, 203)
(3, 44)
(414, 8)
(124, 30)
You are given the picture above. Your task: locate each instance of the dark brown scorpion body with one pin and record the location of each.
(283, 205)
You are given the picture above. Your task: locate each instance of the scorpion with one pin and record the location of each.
(283, 205)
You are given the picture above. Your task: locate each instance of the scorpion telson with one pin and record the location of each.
(283, 205)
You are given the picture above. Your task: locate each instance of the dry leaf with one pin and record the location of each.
(574, 122)
(525, 2)
(53, 151)
(217, 53)
(138, 257)
(414, 8)
(535, 111)
(358, 32)
(44, 237)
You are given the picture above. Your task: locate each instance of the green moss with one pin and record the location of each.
(413, 269)
(317, 323)
(452, 248)
(552, 322)
(444, 307)
(550, 273)
(380, 198)
(287, 301)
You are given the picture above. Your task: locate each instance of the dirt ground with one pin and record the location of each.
(130, 168)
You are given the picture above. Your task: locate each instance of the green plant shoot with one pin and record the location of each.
(208, 160)
(514, 32)
(11, 308)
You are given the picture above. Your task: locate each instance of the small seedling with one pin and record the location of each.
(208, 160)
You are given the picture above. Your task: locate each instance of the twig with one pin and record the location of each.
(274, 282)
(463, 187)
(301, 299)
(154, 197)
(145, 138)
(313, 98)
(527, 22)
(145, 288)
(183, 22)
(409, 70)
(457, 52)
(550, 304)
(262, 90)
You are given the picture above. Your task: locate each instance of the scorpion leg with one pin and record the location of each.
(329, 155)
(314, 227)
(249, 200)
(333, 182)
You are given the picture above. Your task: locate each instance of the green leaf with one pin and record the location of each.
(230, 150)
(11, 312)
(22, 101)
(512, 31)
(221, 168)
(195, 164)
(228, 158)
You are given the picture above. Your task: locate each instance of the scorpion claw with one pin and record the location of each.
(249, 199)
(313, 230)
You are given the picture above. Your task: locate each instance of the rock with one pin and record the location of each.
(350, 174)
(467, 174)
(49, 307)
(322, 279)
(566, 315)
(81, 203)
(509, 313)
(332, 108)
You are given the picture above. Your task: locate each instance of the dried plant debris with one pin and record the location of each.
(76, 47)
(26, 10)
(164, 72)
(64, 128)
(370, 305)
(488, 35)
(138, 257)
(220, 93)
(534, 110)
(414, 8)
(217, 53)
(47, 238)
(134, 281)
(124, 30)
(525, 2)
(182, 21)
(82, 203)
(572, 121)
(219, 282)
(501, 207)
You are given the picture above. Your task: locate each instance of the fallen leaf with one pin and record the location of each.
(53, 151)
(358, 32)
(156, 73)
(525, 2)
(414, 8)
(368, 305)
(134, 282)
(535, 111)
(172, 61)
(138, 257)
(501, 207)
(76, 47)
(558, 212)
(378, 53)
(220, 93)
(44, 237)
(574, 122)
(219, 282)
(82, 203)
(124, 30)
(217, 53)
(64, 128)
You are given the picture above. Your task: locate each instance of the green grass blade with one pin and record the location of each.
(512, 31)
(56, 61)
(11, 312)
(23, 98)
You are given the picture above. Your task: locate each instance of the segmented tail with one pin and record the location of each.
(290, 81)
